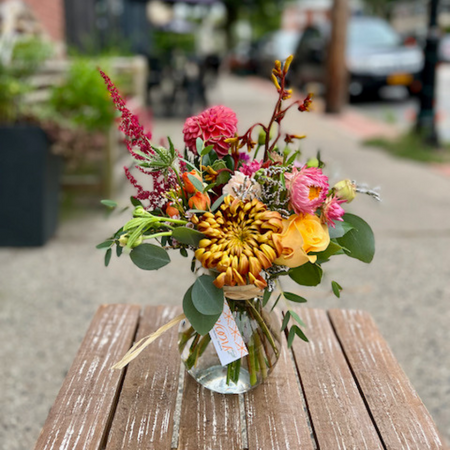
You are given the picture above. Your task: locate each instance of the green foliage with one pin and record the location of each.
(206, 297)
(187, 236)
(307, 275)
(337, 288)
(82, 98)
(359, 242)
(202, 323)
(167, 42)
(149, 257)
(27, 56)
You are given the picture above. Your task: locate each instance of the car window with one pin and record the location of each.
(374, 33)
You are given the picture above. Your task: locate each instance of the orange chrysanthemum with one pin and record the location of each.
(239, 242)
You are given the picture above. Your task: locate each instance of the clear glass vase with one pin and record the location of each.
(260, 331)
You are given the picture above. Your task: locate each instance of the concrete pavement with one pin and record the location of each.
(48, 295)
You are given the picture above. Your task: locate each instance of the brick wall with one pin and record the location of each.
(50, 13)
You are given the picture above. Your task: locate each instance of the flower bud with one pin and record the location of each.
(312, 162)
(123, 240)
(199, 201)
(171, 211)
(188, 186)
(345, 190)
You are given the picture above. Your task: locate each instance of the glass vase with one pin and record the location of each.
(260, 331)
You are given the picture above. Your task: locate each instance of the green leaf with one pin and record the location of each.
(199, 145)
(294, 297)
(331, 250)
(105, 244)
(187, 236)
(295, 330)
(223, 177)
(297, 319)
(207, 149)
(307, 275)
(339, 230)
(266, 297)
(149, 257)
(293, 157)
(119, 250)
(135, 202)
(207, 298)
(202, 323)
(359, 242)
(217, 203)
(189, 165)
(286, 318)
(196, 182)
(337, 288)
(183, 252)
(229, 161)
(109, 203)
(108, 257)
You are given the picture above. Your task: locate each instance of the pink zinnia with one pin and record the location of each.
(332, 211)
(308, 188)
(214, 126)
(250, 169)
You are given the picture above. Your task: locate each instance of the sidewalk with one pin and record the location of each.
(48, 295)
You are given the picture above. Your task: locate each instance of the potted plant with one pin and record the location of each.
(29, 172)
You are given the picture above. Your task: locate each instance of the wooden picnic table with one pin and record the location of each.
(343, 390)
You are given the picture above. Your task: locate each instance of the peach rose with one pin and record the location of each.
(301, 234)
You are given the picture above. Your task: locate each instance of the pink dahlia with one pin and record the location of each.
(308, 189)
(214, 126)
(332, 210)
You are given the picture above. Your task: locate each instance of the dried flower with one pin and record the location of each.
(239, 242)
(242, 186)
(308, 188)
(332, 211)
(214, 126)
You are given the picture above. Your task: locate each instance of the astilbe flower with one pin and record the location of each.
(136, 137)
(332, 210)
(308, 189)
(213, 126)
(239, 242)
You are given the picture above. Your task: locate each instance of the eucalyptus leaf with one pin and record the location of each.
(206, 150)
(340, 228)
(337, 288)
(359, 242)
(196, 182)
(206, 297)
(105, 244)
(217, 203)
(294, 297)
(201, 323)
(199, 145)
(187, 236)
(109, 203)
(108, 257)
(332, 249)
(307, 275)
(149, 257)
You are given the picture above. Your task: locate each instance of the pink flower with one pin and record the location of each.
(250, 169)
(308, 188)
(332, 210)
(214, 126)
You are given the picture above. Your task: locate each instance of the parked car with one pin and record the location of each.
(375, 57)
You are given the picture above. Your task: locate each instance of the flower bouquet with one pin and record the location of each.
(251, 213)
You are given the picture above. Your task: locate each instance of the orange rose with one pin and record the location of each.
(199, 201)
(188, 186)
(301, 234)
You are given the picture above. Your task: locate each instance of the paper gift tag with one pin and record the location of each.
(227, 339)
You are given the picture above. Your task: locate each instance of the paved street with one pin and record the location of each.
(395, 107)
(48, 295)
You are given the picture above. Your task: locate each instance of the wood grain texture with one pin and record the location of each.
(209, 421)
(87, 399)
(276, 419)
(338, 414)
(399, 414)
(144, 415)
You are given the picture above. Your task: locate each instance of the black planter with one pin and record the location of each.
(29, 186)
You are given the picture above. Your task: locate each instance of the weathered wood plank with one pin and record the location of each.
(87, 399)
(276, 419)
(144, 414)
(208, 421)
(338, 414)
(400, 415)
